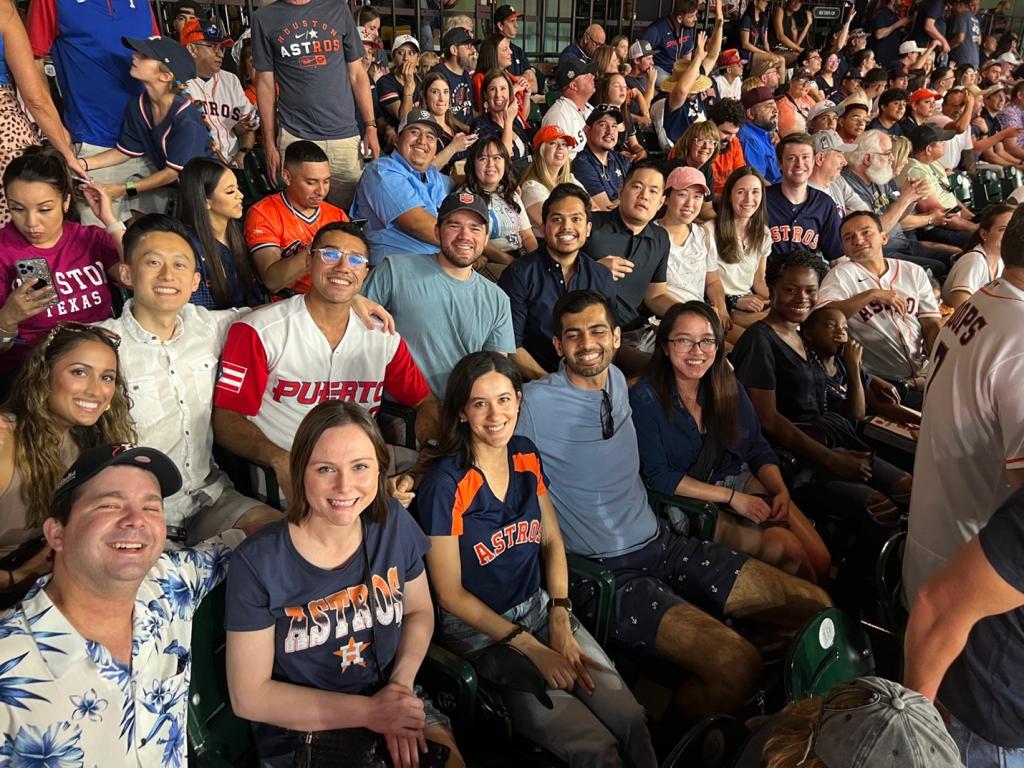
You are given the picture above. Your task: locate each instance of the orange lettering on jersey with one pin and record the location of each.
(297, 639)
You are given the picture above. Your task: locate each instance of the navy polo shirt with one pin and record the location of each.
(596, 177)
(648, 250)
(171, 143)
(533, 284)
(573, 53)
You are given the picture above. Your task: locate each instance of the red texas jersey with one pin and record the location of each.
(276, 365)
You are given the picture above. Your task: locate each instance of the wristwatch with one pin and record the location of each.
(560, 602)
(129, 189)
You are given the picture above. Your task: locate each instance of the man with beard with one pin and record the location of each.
(443, 308)
(535, 282)
(869, 174)
(757, 132)
(399, 194)
(798, 215)
(1001, 152)
(829, 161)
(889, 305)
(459, 61)
(892, 107)
(598, 167)
(580, 420)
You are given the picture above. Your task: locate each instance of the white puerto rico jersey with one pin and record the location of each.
(277, 365)
(972, 432)
(893, 343)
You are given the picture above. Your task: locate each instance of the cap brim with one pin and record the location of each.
(141, 45)
(149, 459)
(431, 123)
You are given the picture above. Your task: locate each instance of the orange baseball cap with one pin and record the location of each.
(551, 133)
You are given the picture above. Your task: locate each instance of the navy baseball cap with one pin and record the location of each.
(94, 460)
(604, 110)
(457, 36)
(168, 52)
(572, 68)
(418, 115)
(464, 200)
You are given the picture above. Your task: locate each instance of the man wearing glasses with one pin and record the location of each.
(580, 53)
(580, 420)
(283, 359)
(229, 113)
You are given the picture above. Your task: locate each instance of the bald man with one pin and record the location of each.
(582, 51)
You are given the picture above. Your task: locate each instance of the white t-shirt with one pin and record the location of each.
(893, 343)
(224, 102)
(571, 119)
(972, 432)
(969, 273)
(738, 278)
(689, 264)
(726, 91)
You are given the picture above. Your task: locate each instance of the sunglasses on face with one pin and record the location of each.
(334, 255)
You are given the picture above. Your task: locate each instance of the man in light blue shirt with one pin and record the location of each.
(399, 195)
(580, 420)
(442, 307)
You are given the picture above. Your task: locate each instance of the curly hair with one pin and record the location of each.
(794, 258)
(727, 111)
(38, 436)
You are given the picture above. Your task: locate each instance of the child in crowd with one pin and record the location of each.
(163, 125)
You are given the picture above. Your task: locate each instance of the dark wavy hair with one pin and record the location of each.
(456, 439)
(509, 183)
(720, 407)
(196, 184)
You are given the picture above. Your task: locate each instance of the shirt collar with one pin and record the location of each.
(60, 646)
(135, 330)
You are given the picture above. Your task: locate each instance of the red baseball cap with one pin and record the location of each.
(551, 133)
(924, 93)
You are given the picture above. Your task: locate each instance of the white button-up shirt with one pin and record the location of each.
(171, 387)
(67, 702)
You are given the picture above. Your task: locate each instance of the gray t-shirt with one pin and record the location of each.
(442, 319)
(595, 483)
(308, 48)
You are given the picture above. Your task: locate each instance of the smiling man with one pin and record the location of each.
(99, 651)
(535, 282)
(598, 167)
(282, 360)
(399, 195)
(168, 357)
(800, 216)
(442, 306)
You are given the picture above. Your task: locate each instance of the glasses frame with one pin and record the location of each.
(347, 255)
(687, 345)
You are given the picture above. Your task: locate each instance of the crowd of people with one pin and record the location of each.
(693, 262)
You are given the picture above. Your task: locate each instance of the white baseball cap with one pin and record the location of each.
(402, 40)
(1009, 58)
(910, 47)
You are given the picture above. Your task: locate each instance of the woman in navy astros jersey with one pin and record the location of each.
(494, 541)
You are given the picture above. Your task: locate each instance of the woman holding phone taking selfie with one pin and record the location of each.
(52, 269)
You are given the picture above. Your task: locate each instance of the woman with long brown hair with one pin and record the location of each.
(453, 136)
(69, 396)
(744, 243)
(699, 436)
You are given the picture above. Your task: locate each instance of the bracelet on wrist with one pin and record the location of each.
(513, 634)
(731, 497)
(85, 162)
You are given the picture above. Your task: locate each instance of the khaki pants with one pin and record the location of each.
(135, 168)
(346, 166)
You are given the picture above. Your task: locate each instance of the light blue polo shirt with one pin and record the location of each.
(595, 483)
(388, 188)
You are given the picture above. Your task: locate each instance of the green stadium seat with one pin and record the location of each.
(830, 648)
(701, 517)
(987, 189)
(961, 186)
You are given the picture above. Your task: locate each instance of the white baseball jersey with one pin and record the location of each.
(969, 273)
(893, 343)
(972, 432)
(277, 365)
(571, 119)
(223, 101)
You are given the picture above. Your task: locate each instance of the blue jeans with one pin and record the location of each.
(975, 752)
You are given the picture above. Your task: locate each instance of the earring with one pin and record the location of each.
(462, 419)
(107, 408)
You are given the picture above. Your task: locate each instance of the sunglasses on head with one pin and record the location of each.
(330, 255)
(111, 338)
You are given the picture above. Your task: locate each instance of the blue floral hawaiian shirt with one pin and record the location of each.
(66, 702)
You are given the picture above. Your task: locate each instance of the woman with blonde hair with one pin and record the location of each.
(68, 396)
(900, 154)
(698, 147)
(551, 166)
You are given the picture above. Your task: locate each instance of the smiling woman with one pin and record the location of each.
(69, 396)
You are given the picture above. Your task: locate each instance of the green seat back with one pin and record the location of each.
(830, 649)
(216, 736)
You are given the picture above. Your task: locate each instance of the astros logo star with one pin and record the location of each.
(352, 653)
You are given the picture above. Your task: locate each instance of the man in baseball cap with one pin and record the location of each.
(767, 71)
(506, 23)
(599, 168)
(927, 147)
(822, 117)
(756, 134)
(110, 577)
(729, 80)
(575, 79)
(642, 74)
(459, 51)
(829, 160)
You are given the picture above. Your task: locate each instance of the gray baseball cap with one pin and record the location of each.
(820, 109)
(826, 141)
(897, 728)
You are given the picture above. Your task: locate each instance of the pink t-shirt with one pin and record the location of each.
(78, 263)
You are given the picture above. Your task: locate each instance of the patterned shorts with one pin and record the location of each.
(671, 570)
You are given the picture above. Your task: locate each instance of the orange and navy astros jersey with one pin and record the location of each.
(274, 222)
(499, 541)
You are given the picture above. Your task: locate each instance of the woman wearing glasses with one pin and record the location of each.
(498, 568)
(698, 148)
(700, 437)
(826, 78)
(52, 269)
(68, 396)
(210, 206)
